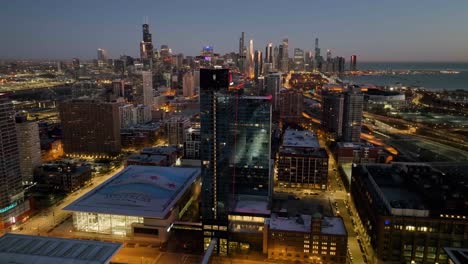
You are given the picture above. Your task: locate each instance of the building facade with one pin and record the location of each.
(29, 147)
(291, 105)
(332, 114)
(90, 127)
(352, 114)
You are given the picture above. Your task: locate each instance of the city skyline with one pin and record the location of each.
(399, 31)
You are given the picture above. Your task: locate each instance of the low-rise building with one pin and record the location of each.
(346, 152)
(411, 211)
(61, 176)
(171, 153)
(305, 238)
(302, 162)
(147, 160)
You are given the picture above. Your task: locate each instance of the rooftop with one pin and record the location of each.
(297, 224)
(19, 249)
(162, 150)
(146, 158)
(333, 226)
(249, 204)
(146, 191)
(300, 139)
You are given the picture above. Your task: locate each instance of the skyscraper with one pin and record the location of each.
(235, 150)
(258, 64)
(269, 53)
(275, 61)
(241, 60)
(144, 89)
(352, 114)
(250, 60)
(29, 147)
(13, 206)
(274, 82)
(146, 45)
(90, 127)
(318, 58)
(283, 56)
(332, 113)
(298, 59)
(353, 63)
(102, 55)
(188, 84)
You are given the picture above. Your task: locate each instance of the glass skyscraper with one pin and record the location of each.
(234, 149)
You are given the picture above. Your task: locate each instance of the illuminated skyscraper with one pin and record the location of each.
(13, 205)
(298, 59)
(235, 151)
(353, 63)
(352, 114)
(318, 58)
(146, 45)
(283, 56)
(258, 64)
(250, 60)
(269, 53)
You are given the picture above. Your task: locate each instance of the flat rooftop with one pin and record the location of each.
(300, 139)
(145, 191)
(146, 158)
(27, 249)
(333, 226)
(295, 224)
(249, 204)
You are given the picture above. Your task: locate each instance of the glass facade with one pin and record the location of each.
(104, 223)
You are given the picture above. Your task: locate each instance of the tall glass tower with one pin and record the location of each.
(234, 149)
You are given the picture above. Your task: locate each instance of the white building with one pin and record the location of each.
(144, 90)
(140, 200)
(29, 147)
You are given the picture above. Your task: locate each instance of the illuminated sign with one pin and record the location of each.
(11, 206)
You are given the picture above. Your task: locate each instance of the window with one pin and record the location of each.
(306, 246)
(332, 253)
(306, 251)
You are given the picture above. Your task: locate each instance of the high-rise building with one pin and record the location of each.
(188, 84)
(353, 63)
(235, 151)
(258, 64)
(144, 89)
(175, 130)
(291, 104)
(250, 60)
(13, 206)
(146, 45)
(283, 56)
(29, 147)
(127, 114)
(274, 82)
(241, 60)
(90, 127)
(352, 114)
(308, 61)
(340, 65)
(318, 58)
(298, 59)
(275, 61)
(102, 55)
(269, 53)
(332, 113)
(192, 143)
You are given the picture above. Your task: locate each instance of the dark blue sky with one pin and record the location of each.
(375, 30)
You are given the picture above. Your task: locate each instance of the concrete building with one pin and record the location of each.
(192, 143)
(128, 115)
(13, 205)
(411, 211)
(298, 60)
(306, 239)
(146, 160)
(175, 130)
(359, 153)
(143, 114)
(138, 201)
(291, 105)
(144, 89)
(332, 113)
(188, 84)
(352, 114)
(29, 147)
(61, 176)
(274, 82)
(90, 127)
(17, 248)
(302, 162)
(170, 152)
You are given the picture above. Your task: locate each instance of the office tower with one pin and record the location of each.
(332, 113)
(291, 104)
(352, 114)
(353, 63)
(29, 147)
(146, 45)
(235, 147)
(258, 64)
(241, 61)
(269, 53)
(250, 60)
(283, 56)
(275, 61)
(175, 129)
(188, 84)
(118, 88)
(274, 82)
(308, 62)
(102, 55)
(340, 65)
(298, 59)
(318, 58)
(127, 114)
(90, 128)
(144, 89)
(329, 56)
(13, 206)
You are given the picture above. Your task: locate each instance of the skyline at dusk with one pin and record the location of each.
(375, 31)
